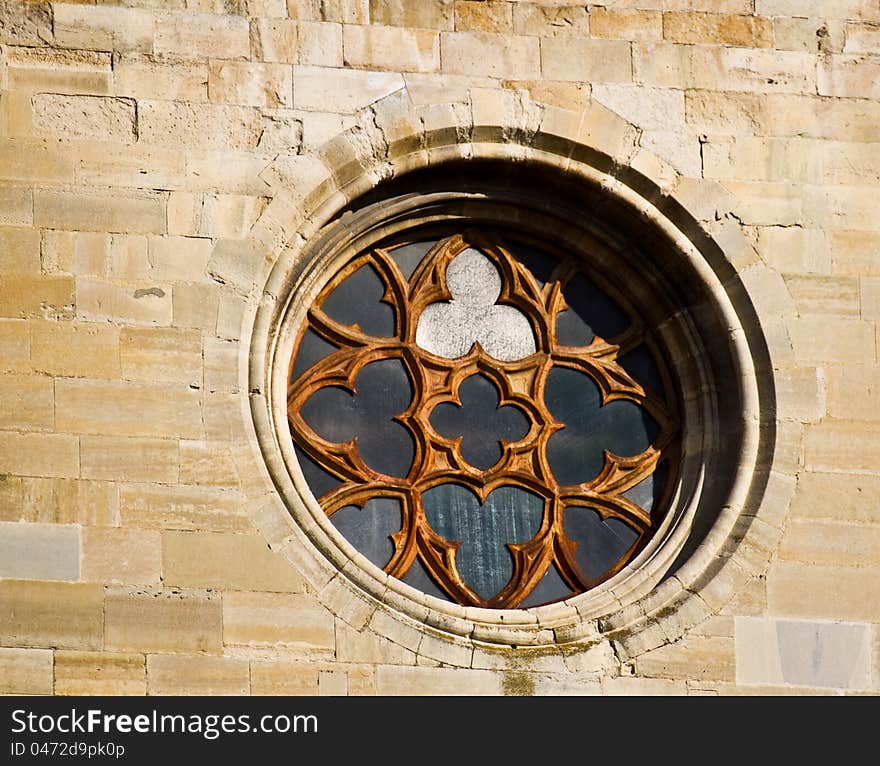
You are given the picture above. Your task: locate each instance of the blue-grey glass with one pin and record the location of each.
(410, 256)
(320, 481)
(369, 529)
(420, 579)
(640, 365)
(647, 492)
(509, 515)
(312, 349)
(575, 452)
(357, 301)
(600, 543)
(551, 587)
(590, 313)
(538, 262)
(383, 391)
(481, 423)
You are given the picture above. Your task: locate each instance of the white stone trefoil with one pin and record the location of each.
(472, 316)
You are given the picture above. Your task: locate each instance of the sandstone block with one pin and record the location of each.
(108, 674)
(341, 90)
(854, 392)
(128, 257)
(165, 354)
(333, 683)
(589, 60)
(160, 77)
(794, 249)
(180, 674)
(869, 297)
(27, 403)
(132, 303)
(124, 212)
(831, 543)
(762, 203)
(842, 446)
(15, 346)
(482, 53)
(863, 10)
(129, 459)
(86, 117)
(16, 205)
(854, 252)
(182, 507)
(250, 84)
(837, 496)
(227, 171)
(393, 48)
(195, 306)
(222, 560)
(26, 23)
(202, 35)
(489, 16)
(36, 454)
(420, 681)
(275, 40)
(221, 365)
(51, 614)
(628, 686)
(716, 28)
(862, 38)
(19, 250)
(801, 394)
(198, 126)
(659, 109)
(824, 593)
(552, 21)
(320, 44)
(724, 112)
(824, 294)
(626, 23)
(75, 252)
(102, 28)
(155, 620)
(74, 349)
(67, 501)
(274, 619)
(207, 463)
(849, 76)
(829, 339)
(811, 35)
(48, 70)
(24, 159)
(426, 14)
(121, 556)
(699, 657)
(284, 678)
(25, 671)
(39, 551)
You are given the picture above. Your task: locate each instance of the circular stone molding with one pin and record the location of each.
(684, 284)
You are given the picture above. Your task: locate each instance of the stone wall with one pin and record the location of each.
(157, 159)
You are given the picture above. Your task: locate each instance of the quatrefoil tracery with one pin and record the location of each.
(529, 459)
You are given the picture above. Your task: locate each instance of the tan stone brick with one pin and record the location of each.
(726, 113)
(869, 297)
(333, 683)
(182, 507)
(831, 543)
(25, 671)
(715, 29)
(181, 675)
(15, 346)
(427, 14)
(284, 678)
(837, 496)
(392, 48)
(26, 23)
(574, 96)
(127, 409)
(226, 172)
(361, 681)
(207, 463)
(195, 306)
(86, 117)
(794, 249)
(483, 16)
(27, 403)
(202, 35)
(128, 257)
(74, 349)
(864, 10)
(703, 658)
(160, 77)
(810, 35)
(800, 394)
(23, 159)
(482, 53)
(827, 339)
(630, 686)
(551, 21)
(67, 501)
(161, 354)
(141, 213)
(824, 294)
(320, 44)
(648, 108)
(855, 252)
(854, 392)
(849, 76)
(842, 446)
(39, 454)
(39, 551)
(764, 203)
(19, 250)
(47, 70)
(100, 674)
(51, 614)
(121, 556)
(230, 216)
(626, 24)
(198, 126)
(395, 681)
(341, 90)
(221, 365)
(136, 167)
(273, 619)
(134, 303)
(862, 38)
(830, 593)
(155, 620)
(16, 205)
(250, 84)
(179, 258)
(102, 28)
(75, 252)
(127, 458)
(220, 560)
(591, 60)
(843, 119)
(275, 40)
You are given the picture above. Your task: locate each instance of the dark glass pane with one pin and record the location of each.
(409, 257)
(648, 491)
(356, 301)
(479, 421)
(320, 481)
(419, 578)
(509, 515)
(590, 313)
(312, 349)
(575, 452)
(539, 262)
(640, 365)
(383, 390)
(551, 587)
(600, 543)
(369, 529)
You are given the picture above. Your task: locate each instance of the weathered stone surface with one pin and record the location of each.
(482, 53)
(100, 673)
(825, 593)
(427, 14)
(854, 392)
(75, 349)
(249, 84)
(837, 496)
(102, 28)
(564, 58)
(66, 501)
(135, 303)
(47, 296)
(715, 28)
(184, 507)
(854, 252)
(320, 44)
(395, 681)
(277, 619)
(553, 20)
(25, 23)
(121, 556)
(704, 658)
(284, 678)
(627, 23)
(161, 354)
(202, 34)
(19, 250)
(377, 47)
(831, 339)
(182, 674)
(484, 16)
(160, 77)
(27, 403)
(341, 90)
(86, 117)
(35, 454)
(26, 671)
(15, 346)
(830, 543)
(120, 212)
(198, 126)
(39, 551)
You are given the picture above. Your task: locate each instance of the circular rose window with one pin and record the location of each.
(483, 411)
